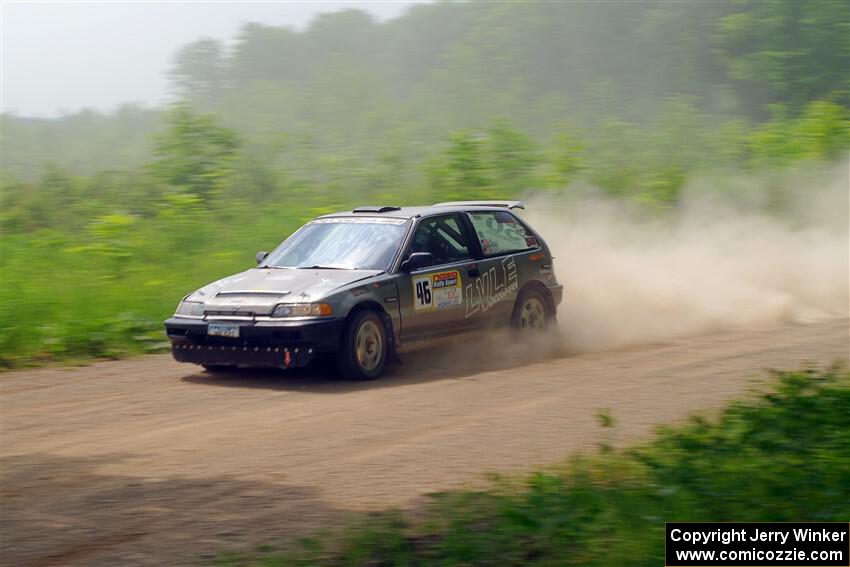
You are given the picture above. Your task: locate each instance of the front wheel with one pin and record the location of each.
(530, 312)
(363, 352)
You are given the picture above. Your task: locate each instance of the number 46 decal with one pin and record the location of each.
(437, 291)
(422, 288)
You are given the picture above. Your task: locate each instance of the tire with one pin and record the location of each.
(364, 348)
(531, 312)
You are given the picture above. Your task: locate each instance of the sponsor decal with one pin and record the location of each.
(496, 284)
(442, 290)
(359, 220)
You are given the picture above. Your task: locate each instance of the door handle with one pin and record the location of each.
(473, 272)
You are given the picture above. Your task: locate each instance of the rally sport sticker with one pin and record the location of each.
(437, 291)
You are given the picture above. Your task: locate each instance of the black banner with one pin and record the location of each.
(757, 544)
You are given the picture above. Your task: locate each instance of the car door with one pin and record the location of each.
(432, 298)
(490, 297)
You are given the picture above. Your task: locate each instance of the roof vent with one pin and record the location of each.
(376, 209)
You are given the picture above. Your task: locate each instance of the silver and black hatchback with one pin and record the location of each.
(362, 285)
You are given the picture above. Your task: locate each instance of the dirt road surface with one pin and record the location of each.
(147, 462)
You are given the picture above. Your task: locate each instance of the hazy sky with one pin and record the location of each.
(60, 57)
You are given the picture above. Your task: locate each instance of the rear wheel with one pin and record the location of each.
(531, 312)
(363, 351)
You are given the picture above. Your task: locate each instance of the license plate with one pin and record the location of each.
(219, 330)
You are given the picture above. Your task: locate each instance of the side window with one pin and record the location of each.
(501, 233)
(443, 237)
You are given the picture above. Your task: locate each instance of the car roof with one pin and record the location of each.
(421, 211)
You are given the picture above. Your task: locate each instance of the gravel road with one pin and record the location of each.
(146, 461)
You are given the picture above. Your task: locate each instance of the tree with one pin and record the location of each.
(512, 158)
(566, 159)
(821, 132)
(198, 72)
(786, 51)
(499, 162)
(195, 155)
(462, 171)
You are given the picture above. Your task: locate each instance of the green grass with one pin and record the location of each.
(104, 292)
(90, 266)
(782, 455)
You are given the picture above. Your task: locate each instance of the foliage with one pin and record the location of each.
(781, 456)
(81, 144)
(197, 72)
(105, 290)
(123, 247)
(566, 158)
(785, 51)
(133, 209)
(483, 164)
(820, 132)
(349, 83)
(195, 155)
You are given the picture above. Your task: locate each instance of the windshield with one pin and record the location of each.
(344, 243)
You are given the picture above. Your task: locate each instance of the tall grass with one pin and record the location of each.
(105, 291)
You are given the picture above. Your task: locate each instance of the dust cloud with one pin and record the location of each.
(738, 251)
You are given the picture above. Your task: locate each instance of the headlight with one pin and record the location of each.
(190, 309)
(302, 310)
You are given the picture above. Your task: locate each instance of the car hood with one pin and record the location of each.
(258, 290)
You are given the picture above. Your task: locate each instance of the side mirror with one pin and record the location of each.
(416, 261)
(261, 256)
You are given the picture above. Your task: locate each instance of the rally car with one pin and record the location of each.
(365, 284)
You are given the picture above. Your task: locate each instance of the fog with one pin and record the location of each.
(59, 58)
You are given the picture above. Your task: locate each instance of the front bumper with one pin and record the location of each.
(281, 344)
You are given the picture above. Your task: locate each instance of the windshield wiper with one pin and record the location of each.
(318, 267)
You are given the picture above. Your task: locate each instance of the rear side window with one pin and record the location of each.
(501, 233)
